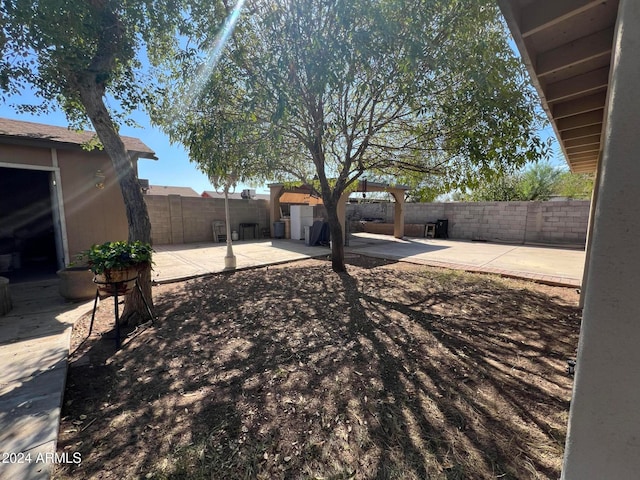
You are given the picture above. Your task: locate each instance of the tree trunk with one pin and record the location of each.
(137, 216)
(337, 242)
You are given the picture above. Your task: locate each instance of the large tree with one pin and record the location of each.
(388, 87)
(74, 54)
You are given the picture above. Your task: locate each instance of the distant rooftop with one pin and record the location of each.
(18, 131)
(167, 190)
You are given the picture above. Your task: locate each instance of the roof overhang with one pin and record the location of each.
(18, 132)
(567, 47)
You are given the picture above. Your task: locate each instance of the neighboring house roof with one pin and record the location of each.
(165, 190)
(233, 196)
(32, 133)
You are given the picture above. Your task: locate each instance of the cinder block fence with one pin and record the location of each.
(556, 222)
(176, 219)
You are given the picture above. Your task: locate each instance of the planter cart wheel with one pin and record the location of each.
(113, 289)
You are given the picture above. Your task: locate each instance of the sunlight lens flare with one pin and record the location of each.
(214, 53)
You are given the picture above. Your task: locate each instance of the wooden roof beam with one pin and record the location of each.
(582, 157)
(579, 105)
(582, 50)
(582, 120)
(545, 13)
(578, 142)
(582, 149)
(585, 168)
(580, 84)
(581, 132)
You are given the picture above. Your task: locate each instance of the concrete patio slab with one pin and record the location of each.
(552, 265)
(30, 412)
(180, 262)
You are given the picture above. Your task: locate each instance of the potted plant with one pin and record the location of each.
(75, 283)
(117, 264)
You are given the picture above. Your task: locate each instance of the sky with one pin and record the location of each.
(172, 168)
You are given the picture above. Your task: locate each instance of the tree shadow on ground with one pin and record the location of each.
(388, 372)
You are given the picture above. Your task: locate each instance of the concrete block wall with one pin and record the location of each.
(561, 223)
(557, 222)
(176, 219)
(158, 208)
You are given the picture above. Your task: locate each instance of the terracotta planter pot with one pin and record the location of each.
(76, 284)
(125, 279)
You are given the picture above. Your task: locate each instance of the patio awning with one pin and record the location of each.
(567, 46)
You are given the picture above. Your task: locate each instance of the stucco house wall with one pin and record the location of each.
(92, 215)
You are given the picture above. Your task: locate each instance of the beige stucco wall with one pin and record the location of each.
(603, 438)
(25, 155)
(91, 215)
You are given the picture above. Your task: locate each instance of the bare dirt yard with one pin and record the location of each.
(392, 371)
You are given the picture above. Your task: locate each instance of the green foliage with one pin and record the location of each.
(539, 182)
(423, 188)
(116, 255)
(423, 194)
(337, 88)
(503, 189)
(575, 185)
(219, 130)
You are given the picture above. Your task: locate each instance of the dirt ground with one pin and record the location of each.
(392, 371)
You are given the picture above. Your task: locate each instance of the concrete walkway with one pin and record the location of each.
(34, 345)
(35, 335)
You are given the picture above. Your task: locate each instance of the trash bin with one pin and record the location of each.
(307, 235)
(442, 229)
(278, 229)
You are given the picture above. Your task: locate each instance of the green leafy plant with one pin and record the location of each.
(117, 255)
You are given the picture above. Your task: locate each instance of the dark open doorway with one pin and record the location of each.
(27, 233)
